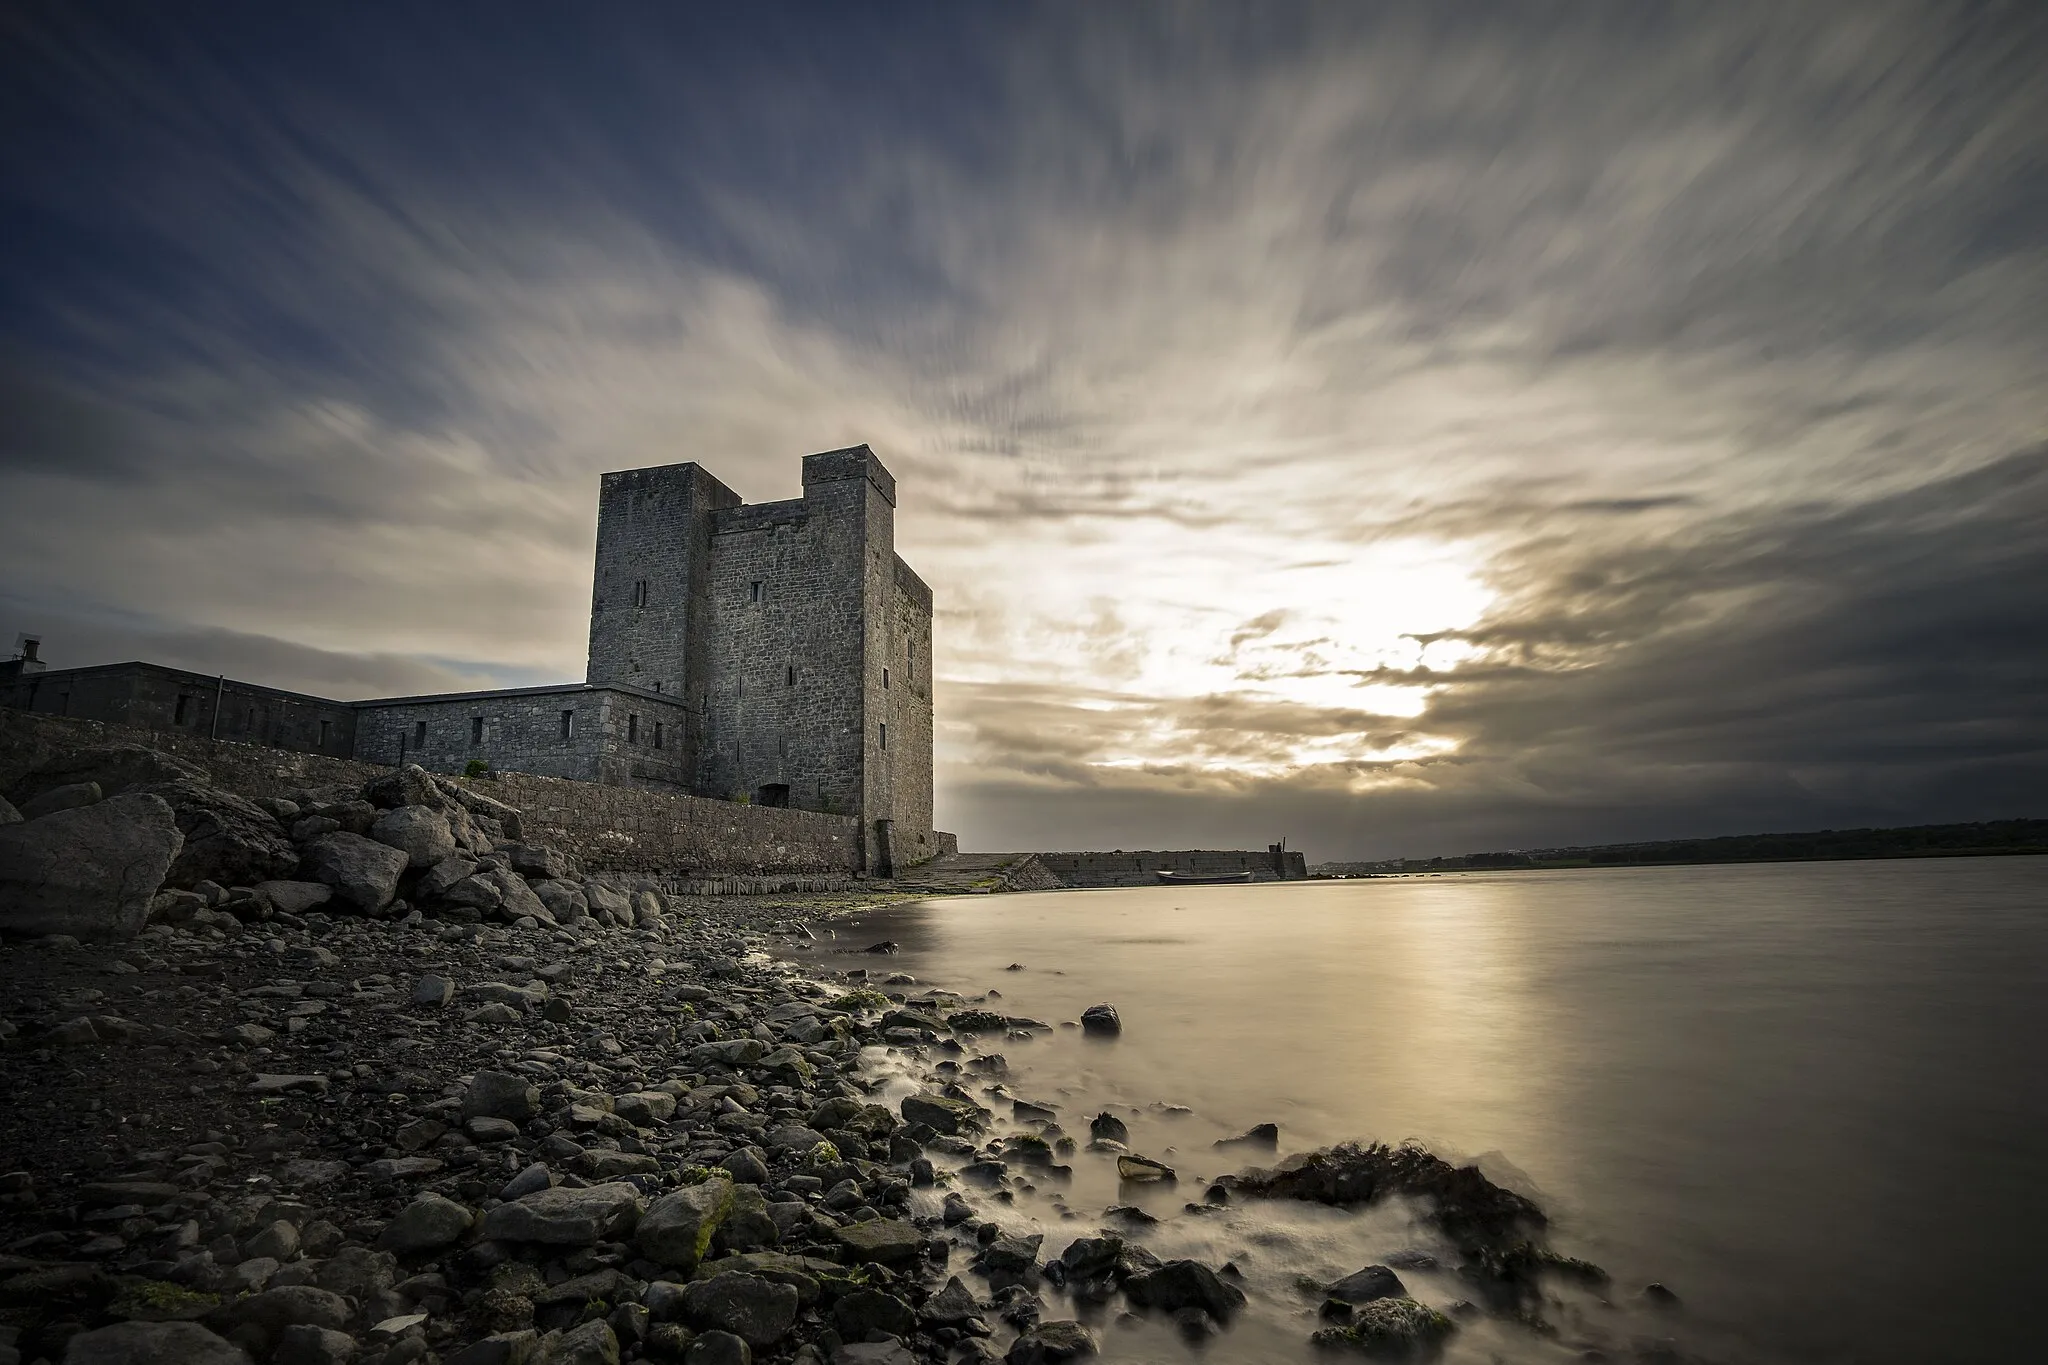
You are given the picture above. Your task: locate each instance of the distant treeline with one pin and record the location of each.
(1913, 841)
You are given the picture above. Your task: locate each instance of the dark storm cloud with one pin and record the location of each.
(1445, 425)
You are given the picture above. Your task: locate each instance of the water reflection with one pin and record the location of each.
(1728, 1079)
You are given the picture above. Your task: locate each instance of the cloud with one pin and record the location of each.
(1505, 425)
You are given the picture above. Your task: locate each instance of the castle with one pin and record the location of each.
(778, 654)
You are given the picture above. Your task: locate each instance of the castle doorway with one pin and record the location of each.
(774, 794)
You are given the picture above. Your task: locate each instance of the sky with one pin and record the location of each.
(1406, 429)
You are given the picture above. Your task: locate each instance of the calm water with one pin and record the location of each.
(1808, 1097)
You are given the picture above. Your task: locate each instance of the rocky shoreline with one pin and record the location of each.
(392, 1126)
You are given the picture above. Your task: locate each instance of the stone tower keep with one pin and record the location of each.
(795, 639)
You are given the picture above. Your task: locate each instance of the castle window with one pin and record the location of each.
(182, 710)
(325, 727)
(568, 725)
(885, 680)
(754, 591)
(419, 736)
(885, 734)
(657, 734)
(640, 593)
(792, 675)
(476, 729)
(632, 729)
(249, 720)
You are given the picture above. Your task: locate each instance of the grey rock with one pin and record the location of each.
(746, 1167)
(307, 828)
(433, 990)
(1185, 1284)
(874, 1353)
(564, 899)
(115, 767)
(516, 898)
(279, 1241)
(273, 1310)
(500, 1348)
(501, 1095)
(885, 1241)
(419, 832)
(66, 797)
(1258, 1135)
(357, 1272)
(429, 1222)
(228, 839)
(153, 1343)
(537, 861)
(441, 878)
(613, 907)
(1048, 1342)
(590, 1343)
(89, 872)
(945, 1114)
(758, 1311)
(295, 898)
(535, 1177)
(363, 872)
(719, 1348)
(8, 814)
(954, 1303)
(1391, 1329)
(870, 1310)
(1364, 1286)
(305, 1344)
(411, 785)
(565, 1217)
(645, 1108)
(1107, 1127)
(677, 1229)
(1102, 1021)
(479, 892)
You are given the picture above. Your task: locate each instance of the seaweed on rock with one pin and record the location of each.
(1473, 1211)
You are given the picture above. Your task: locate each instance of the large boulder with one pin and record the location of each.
(90, 871)
(8, 814)
(60, 798)
(228, 839)
(152, 1343)
(517, 898)
(295, 898)
(612, 907)
(564, 899)
(946, 1114)
(677, 1228)
(1390, 1329)
(489, 812)
(1185, 1284)
(758, 1311)
(537, 861)
(411, 785)
(116, 767)
(564, 1217)
(363, 872)
(419, 832)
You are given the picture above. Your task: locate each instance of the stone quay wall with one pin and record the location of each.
(610, 829)
(1137, 869)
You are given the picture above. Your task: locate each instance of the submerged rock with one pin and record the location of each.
(1465, 1204)
(1102, 1021)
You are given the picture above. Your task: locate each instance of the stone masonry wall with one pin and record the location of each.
(177, 701)
(29, 739)
(614, 735)
(626, 829)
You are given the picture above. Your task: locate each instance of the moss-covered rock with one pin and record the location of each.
(1391, 1329)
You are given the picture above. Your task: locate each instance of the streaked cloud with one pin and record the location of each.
(1411, 429)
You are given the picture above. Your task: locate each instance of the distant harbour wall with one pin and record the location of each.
(1141, 868)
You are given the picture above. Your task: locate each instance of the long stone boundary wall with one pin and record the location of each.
(610, 829)
(1137, 869)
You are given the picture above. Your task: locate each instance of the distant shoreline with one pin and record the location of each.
(1984, 839)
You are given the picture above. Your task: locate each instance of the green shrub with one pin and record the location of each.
(476, 767)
